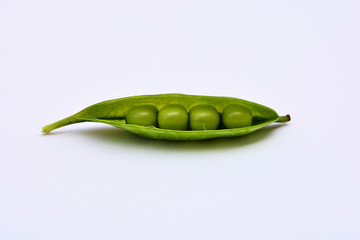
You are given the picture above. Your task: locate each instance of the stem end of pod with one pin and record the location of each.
(285, 118)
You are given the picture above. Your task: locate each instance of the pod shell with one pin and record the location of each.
(113, 112)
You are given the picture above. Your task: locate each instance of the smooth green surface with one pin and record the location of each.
(236, 116)
(113, 112)
(174, 117)
(143, 115)
(204, 117)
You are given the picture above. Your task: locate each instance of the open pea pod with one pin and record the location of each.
(113, 112)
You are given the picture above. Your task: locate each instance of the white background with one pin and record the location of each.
(90, 181)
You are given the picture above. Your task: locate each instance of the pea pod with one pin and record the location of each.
(113, 112)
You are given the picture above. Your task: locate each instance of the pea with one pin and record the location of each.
(173, 116)
(236, 116)
(143, 115)
(137, 114)
(204, 117)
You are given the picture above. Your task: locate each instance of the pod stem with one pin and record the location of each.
(285, 118)
(66, 121)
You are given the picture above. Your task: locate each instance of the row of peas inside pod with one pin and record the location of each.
(199, 117)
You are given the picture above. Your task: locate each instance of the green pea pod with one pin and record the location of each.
(113, 112)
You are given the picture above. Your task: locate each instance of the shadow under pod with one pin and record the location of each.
(115, 136)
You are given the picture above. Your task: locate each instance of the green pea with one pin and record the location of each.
(143, 115)
(173, 119)
(204, 117)
(173, 116)
(236, 116)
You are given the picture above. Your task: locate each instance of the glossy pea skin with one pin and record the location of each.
(236, 116)
(204, 117)
(174, 117)
(143, 115)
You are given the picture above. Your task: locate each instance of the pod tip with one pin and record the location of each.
(45, 130)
